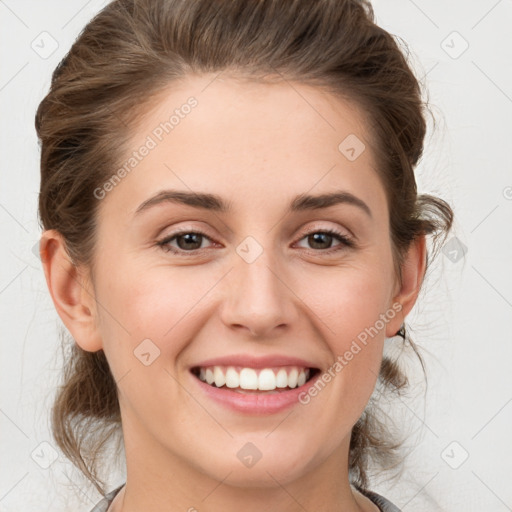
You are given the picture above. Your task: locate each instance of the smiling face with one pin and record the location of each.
(256, 273)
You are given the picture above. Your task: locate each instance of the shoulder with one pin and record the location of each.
(103, 505)
(384, 504)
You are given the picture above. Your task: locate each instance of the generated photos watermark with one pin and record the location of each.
(151, 142)
(343, 360)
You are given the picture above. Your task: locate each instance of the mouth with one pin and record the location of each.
(246, 380)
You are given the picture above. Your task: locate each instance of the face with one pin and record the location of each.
(265, 284)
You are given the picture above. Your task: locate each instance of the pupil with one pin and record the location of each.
(189, 240)
(316, 238)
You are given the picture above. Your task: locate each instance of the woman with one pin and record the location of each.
(232, 232)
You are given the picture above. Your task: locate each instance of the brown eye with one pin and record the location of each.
(320, 240)
(186, 241)
(189, 241)
(323, 240)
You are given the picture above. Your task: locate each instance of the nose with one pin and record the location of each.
(258, 300)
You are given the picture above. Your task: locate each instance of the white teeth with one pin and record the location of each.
(267, 379)
(220, 380)
(209, 376)
(292, 378)
(248, 379)
(232, 378)
(281, 378)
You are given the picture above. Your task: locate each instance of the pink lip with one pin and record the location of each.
(248, 361)
(255, 403)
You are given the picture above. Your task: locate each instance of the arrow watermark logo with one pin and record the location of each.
(454, 249)
(44, 455)
(351, 147)
(454, 45)
(45, 45)
(249, 249)
(146, 352)
(249, 455)
(455, 455)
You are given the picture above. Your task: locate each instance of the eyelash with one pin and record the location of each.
(346, 242)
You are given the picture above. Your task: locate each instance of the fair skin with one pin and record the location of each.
(257, 146)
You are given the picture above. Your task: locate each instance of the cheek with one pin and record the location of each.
(354, 310)
(147, 321)
(351, 302)
(158, 304)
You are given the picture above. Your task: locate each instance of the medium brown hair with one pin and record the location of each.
(134, 49)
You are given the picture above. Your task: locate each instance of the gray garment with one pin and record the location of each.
(384, 504)
(103, 505)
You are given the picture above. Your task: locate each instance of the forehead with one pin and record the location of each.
(251, 141)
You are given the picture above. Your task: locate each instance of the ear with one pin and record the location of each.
(413, 271)
(71, 291)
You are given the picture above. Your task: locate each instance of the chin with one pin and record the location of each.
(269, 471)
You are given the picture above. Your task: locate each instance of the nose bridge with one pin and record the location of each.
(259, 299)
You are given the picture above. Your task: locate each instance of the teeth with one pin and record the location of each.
(232, 378)
(281, 378)
(248, 379)
(292, 378)
(220, 380)
(266, 379)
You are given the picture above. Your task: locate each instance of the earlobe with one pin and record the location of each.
(71, 291)
(413, 272)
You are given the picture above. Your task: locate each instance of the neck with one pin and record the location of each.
(158, 479)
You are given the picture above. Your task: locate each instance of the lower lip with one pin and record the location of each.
(254, 403)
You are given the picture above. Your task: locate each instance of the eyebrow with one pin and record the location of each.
(216, 203)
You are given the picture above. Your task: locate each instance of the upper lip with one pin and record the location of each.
(248, 361)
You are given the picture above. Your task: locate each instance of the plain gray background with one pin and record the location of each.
(460, 446)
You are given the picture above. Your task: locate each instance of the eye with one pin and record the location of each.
(322, 240)
(187, 241)
(191, 241)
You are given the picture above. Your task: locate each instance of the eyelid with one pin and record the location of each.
(188, 229)
(313, 228)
